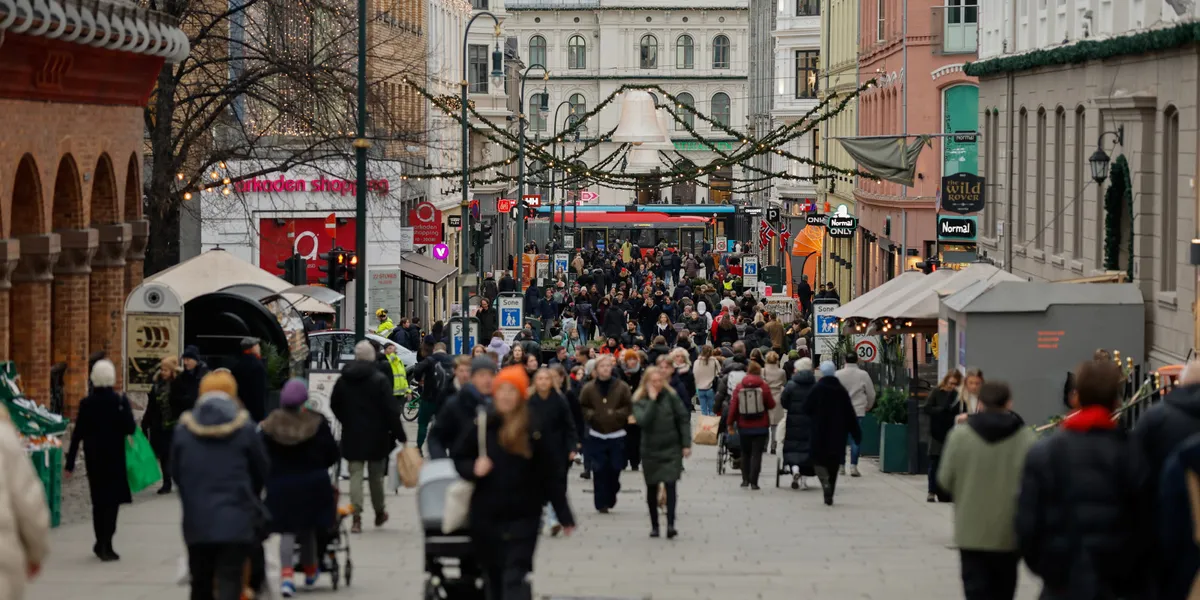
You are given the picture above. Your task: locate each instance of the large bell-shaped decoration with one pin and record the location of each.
(664, 137)
(639, 123)
(642, 160)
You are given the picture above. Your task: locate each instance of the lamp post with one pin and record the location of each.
(543, 108)
(497, 72)
(1099, 159)
(554, 152)
(361, 144)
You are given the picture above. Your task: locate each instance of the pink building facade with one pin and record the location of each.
(920, 89)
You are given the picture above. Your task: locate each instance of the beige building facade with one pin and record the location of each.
(839, 70)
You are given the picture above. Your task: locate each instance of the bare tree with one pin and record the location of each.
(274, 83)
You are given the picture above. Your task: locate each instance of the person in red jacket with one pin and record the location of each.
(748, 409)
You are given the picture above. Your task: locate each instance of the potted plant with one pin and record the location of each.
(870, 432)
(891, 410)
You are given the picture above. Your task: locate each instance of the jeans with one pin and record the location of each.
(375, 470)
(934, 488)
(308, 550)
(854, 446)
(753, 446)
(652, 503)
(218, 570)
(706, 401)
(607, 458)
(989, 575)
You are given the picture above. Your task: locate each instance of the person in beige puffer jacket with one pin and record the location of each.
(24, 517)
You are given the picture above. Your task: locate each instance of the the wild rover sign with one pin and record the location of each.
(963, 193)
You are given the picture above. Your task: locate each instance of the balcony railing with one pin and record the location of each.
(956, 29)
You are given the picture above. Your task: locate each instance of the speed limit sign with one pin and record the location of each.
(867, 348)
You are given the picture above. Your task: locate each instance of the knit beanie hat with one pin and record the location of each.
(294, 393)
(828, 369)
(514, 376)
(482, 363)
(219, 381)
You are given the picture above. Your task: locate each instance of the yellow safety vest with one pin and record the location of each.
(728, 284)
(399, 376)
(385, 328)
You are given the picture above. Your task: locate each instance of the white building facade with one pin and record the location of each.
(797, 84)
(1047, 218)
(445, 20)
(696, 51)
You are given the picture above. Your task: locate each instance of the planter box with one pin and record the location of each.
(893, 448)
(870, 436)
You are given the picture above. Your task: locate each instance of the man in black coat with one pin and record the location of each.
(1165, 426)
(456, 420)
(363, 403)
(489, 319)
(187, 383)
(251, 374)
(507, 283)
(833, 419)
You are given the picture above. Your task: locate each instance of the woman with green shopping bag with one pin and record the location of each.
(105, 419)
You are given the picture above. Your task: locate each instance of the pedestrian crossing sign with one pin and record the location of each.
(510, 318)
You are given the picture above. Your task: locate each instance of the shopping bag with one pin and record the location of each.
(408, 466)
(141, 466)
(706, 431)
(393, 480)
(458, 494)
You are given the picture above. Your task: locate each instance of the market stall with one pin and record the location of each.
(41, 433)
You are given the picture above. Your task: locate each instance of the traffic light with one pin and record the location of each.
(485, 233)
(334, 269)
(351, 266)
(930, 265)
(295, 269)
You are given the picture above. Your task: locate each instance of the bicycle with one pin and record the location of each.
(412, 407)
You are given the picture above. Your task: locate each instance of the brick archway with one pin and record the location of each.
(69, 211)
(29, 296)
(133, 189)
(135, 259)
(106, 285)
(27, 210)
(69, 290)
(104, 205)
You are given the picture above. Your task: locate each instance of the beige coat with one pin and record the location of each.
(776, 379)
(24, 517)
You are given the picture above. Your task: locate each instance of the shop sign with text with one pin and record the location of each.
(323, 185)
(957, 228)
(963, 193)
(426, 221)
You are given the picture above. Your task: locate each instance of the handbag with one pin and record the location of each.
(408, 466)
(141, 466)
(458, 494)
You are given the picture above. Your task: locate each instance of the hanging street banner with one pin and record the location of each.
(963, 193)
(784, 236)
(750, 272)
(765, 234)
(426, 221)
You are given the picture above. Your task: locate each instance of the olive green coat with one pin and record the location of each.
(665, 433)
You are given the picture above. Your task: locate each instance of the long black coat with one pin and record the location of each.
(833, 418)
(798, 427)
(105, 418)
(251, 375)
(363, 403)
(489, 322)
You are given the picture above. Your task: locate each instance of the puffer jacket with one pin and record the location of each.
(221, 465)
(1084, 522)
(797, 437)
(1166, 425)
(24, 518)
(755, 423)
(363, 403)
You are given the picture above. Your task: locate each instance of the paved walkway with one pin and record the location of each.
(880, 541)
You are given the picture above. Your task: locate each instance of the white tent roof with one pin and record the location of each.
(851, 309)
(923, 303)
(216, 269)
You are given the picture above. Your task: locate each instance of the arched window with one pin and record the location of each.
(684, 110)
(537, 118)
(649, 52)
(576, 53)
(720, 108)
(720, 52)
(578, 107)
(1169, 239)
(537, 51)
(685, 55)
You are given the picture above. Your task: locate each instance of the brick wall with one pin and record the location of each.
(134, 274)
(31, 347)
(106, 309)
(4, 326)
(70, 303)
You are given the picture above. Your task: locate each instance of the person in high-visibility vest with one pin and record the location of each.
(399, 376)
(385, 324)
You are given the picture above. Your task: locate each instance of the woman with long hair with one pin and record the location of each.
(531, 365)
(665, 329)
(516, 356)
(725, 331)
(969, 392)
(705, 370)
(665, 442)
(163, 409)
(550, 416)
(941, 406)
(515, 474)
(776, 379)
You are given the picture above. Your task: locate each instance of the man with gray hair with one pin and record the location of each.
(363, 403)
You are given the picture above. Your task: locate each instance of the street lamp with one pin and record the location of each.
(543, 106)
(562, 225)
(497, 73)
(1099, 159)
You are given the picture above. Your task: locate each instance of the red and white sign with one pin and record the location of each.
(534, 200)
(323, 185)
(586, 196)
(867, 350)
(426, 221)
(504, 205)
(279, 238)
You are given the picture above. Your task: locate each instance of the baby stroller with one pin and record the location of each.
(333, 544)
(729, 446)
(451, 572)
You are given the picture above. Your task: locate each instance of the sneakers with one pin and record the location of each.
(842, 470)
(754, 487)
(796, 482)
(854, 471)
(803, 483)
(930, 497)
(310, 578)
(287, 589)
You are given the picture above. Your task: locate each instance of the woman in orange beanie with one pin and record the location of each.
(220, 380)
(515, 474)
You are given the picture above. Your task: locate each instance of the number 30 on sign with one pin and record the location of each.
(867, 348)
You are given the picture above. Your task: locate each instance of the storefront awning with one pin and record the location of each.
(853, 308)
(923, 304)
(425, 268)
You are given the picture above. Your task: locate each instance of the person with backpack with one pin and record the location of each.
(1084, 520)
(435, 372)
(980, 467)
(749, 411)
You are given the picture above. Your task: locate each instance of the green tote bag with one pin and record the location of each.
(141, 466)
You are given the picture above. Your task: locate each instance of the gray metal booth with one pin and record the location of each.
(1030, 335)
